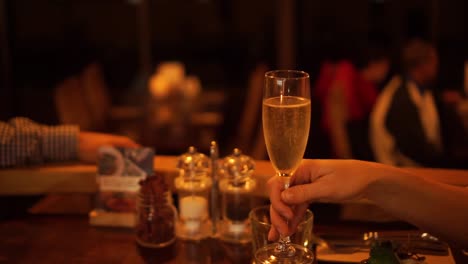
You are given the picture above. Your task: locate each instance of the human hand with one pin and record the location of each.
(316, 180)
(90, 142)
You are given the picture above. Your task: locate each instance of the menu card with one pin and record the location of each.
(119, 171)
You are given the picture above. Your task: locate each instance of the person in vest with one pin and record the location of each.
(405, 125)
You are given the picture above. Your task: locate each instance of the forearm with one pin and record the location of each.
(60, 143)
(435, 207)
(25, 142)
(447, 176)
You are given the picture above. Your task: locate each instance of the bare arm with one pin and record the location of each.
(23, 141)
(436, 207)
(433, 206)
(90, 142)
(447, 176)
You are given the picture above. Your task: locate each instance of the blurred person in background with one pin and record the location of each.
(347, 92)
(24, 142)
(405, 125)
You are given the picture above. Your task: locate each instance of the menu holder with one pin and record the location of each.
(118, 174)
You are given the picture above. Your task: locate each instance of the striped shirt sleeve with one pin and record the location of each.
(24, 142)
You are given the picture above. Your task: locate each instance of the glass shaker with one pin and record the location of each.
(193, 187)
(236, 187)
(156, 215)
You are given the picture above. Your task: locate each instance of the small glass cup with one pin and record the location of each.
(156, 217)
(260, 224)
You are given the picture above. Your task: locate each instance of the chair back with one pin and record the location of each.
(250, 134)
(71, 105)
(96, 94)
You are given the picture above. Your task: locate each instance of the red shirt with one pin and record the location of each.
(360, 94)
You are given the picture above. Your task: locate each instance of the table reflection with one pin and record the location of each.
(198, 252)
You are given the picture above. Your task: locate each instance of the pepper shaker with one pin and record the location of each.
(236, 187)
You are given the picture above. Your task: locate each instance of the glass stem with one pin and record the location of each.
(284, 242)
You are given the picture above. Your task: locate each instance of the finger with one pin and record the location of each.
(278, 222)
(305, 193)
(273, 234)
(313, 169)
(307, 172)
(298, 216)
(276, 187)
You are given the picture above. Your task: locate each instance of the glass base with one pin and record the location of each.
(294, 254)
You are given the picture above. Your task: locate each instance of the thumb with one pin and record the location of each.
(303, 193)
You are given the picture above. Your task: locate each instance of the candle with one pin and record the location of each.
(193, 208)
(237, 228)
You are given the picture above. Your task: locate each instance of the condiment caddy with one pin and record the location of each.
(214, 195)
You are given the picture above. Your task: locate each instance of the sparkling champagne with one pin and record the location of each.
(286, 122)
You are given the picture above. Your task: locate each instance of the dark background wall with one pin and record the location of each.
(220, 41)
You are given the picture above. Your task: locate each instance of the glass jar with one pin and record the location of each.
(193, 188)
(236, 187)
(156, 217)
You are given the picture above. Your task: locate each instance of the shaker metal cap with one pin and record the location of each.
(238, 167)
(193, 163)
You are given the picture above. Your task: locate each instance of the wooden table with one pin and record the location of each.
(70, 239)
(81, 178)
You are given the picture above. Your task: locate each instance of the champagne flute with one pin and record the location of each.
(286, 122)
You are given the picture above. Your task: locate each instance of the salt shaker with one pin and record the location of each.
(193, 187)
(236, 187)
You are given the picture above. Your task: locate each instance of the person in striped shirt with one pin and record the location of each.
(25, 142)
